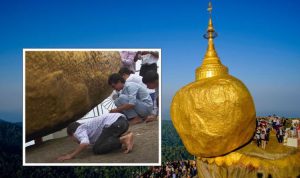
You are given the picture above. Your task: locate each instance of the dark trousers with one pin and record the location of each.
(110, 137)
(258, 142)
(280, 138)
(147, 67)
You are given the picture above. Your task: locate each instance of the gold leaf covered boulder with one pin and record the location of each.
(215, 114)
(62, 86)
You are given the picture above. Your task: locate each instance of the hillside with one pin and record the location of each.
(10, 149)
(172, 146)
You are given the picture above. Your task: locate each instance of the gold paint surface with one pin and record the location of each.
(62, 86)
(213, 116)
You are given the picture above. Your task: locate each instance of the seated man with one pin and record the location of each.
(134, 100)
(103, 132)
(151, 80)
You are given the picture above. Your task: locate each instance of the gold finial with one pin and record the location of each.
(209, 9)
(211, 65)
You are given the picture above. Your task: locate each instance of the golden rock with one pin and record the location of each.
(215, 114)
(62, 86)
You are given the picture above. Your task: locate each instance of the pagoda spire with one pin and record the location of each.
(211, 65)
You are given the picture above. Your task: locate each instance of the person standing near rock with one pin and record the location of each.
(105, 133)
(149, 61)
(263, 140)
(151, 80)
(257, 137)
(280, 134)
(134, 100)
(129, 59)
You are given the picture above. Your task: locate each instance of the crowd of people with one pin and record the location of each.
(184, 168)
(133, 96)
(134, 104)
(277, 124)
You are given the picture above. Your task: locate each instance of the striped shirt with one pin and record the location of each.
(89, 131)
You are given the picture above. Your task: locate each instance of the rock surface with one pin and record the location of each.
(145, 149)
(214, 116)
(62, 86)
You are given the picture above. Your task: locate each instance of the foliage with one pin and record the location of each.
(172, 146)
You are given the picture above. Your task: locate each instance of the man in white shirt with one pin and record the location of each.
(134, 100)
(105, 133)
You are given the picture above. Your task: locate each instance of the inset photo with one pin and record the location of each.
(91, 107)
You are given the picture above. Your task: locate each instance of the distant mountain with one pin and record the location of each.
(19, 124)
(10, 149)
(166, 115)
(16, 123)
(2, 121)
(10, 137)
(14, 116)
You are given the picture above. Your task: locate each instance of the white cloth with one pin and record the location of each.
(136, 79)
(280, 132)
(148, 59)
(257, 136)
(89, 131)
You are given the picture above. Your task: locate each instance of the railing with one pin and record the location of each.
(104, 107)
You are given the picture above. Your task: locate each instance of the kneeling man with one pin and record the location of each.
(134, 100)
(105, 133)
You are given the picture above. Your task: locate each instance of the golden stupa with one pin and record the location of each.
(215, 114)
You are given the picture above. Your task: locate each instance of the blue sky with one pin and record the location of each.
(258, 41)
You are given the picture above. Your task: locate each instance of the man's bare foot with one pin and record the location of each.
(128, 141)
(127, 132)
(151, 118)
(124, 147)
(135, 120)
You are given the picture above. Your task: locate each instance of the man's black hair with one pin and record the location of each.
(125, 70)
(115, 78)
(150, 76)
(72, 128)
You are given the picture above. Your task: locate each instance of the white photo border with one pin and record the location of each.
(93, 164)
